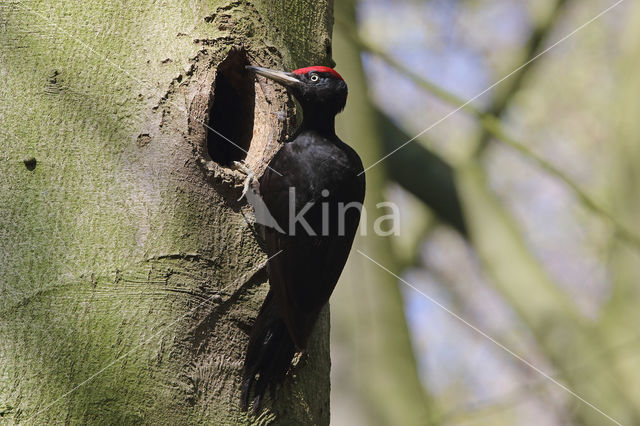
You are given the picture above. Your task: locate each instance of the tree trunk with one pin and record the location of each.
(375, 368)
(128, 275)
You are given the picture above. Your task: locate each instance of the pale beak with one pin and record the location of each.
(284, 78)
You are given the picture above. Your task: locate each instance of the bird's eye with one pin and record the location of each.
(314, 77)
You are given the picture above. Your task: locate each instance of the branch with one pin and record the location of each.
(493, 126)
(436, 185)
(532, 48)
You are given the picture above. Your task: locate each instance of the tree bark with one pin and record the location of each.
(128, 275)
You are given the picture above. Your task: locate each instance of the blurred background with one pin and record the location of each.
(510, 294)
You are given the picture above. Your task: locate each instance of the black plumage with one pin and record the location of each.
(318, 179)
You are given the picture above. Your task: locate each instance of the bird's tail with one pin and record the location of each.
(268, 357)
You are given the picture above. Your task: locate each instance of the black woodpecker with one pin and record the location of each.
(314, 189)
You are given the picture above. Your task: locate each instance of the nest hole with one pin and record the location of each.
(30, 163)
(231, 113)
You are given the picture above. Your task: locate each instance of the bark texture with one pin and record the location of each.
(128, 275)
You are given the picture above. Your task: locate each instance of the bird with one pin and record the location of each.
(314, 188)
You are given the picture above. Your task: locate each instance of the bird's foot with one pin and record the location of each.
(297, 357)
(242, 167)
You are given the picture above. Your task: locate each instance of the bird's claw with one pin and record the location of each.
(242, 167)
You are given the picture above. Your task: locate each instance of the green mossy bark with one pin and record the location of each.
(128, 276)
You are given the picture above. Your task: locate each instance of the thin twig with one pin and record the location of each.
(532, 48)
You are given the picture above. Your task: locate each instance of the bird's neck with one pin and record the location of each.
(321, 123)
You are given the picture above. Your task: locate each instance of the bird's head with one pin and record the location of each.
(317, 88)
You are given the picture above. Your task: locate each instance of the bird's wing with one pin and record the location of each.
(304, 269)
